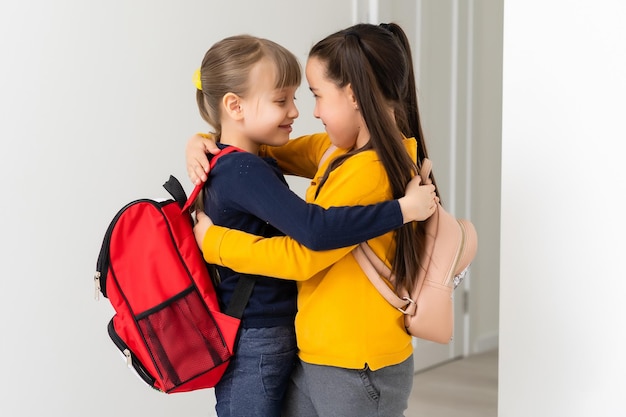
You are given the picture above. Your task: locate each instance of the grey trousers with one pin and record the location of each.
(327, 391)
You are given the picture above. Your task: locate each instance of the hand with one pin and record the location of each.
(203, 222)
(195, 155)
(419, 202)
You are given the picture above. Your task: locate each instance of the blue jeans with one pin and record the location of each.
(256, 379)
(328, 391)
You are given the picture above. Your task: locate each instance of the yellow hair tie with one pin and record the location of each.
(196, 79)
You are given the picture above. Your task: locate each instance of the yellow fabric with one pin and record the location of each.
(299, 156)
(342, 320)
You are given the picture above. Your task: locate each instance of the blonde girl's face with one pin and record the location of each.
(336, 107)
(268, 112)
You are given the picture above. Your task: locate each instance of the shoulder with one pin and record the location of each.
(244, 171)
(241, 160)
(369, 160)
(315, 140)
(364, 163)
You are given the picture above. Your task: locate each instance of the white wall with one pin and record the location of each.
(96, 105)
(484, 124)
(562, 311)
(460, 85)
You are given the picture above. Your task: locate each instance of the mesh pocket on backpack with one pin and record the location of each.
(183, 339)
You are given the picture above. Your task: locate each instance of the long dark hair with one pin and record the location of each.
(376, 61)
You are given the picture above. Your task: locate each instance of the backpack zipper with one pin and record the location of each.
(102, 264)
(458, 255)
(96, 281)
(141, 371)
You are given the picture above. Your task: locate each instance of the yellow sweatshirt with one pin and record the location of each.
(342, 320)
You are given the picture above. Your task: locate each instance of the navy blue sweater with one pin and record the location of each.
(249, 193)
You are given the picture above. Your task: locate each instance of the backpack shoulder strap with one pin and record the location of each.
(242, 293)
(376, 269)
(245, 283)
(212, 163)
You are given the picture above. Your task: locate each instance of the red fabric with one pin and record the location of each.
(167, 311)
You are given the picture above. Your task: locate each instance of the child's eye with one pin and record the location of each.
(283, 101)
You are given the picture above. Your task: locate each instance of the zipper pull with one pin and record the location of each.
(96, 281)
(129, 360)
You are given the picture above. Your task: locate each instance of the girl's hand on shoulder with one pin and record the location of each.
(203, 222)
(419, 201)
(195, 156)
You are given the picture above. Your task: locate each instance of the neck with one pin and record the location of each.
(242, 142)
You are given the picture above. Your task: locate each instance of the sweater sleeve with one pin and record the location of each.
(361, 181)
(257, 189)
(252, 254)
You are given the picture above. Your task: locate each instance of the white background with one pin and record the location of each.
(562, 330)
(96, 105)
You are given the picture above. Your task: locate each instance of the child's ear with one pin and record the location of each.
(232, 105)
(352, 96)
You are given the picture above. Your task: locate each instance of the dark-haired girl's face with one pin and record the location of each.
(336, 107)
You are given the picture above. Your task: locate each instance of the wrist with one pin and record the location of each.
(405, 208)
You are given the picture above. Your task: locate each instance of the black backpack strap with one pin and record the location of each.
(177, 191)
(243, 290)
(242, 293)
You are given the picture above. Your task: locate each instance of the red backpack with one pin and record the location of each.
(167, 322)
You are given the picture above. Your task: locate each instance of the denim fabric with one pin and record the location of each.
(328, 391)
(255, 382)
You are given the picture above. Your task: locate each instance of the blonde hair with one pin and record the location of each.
(226, 67)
